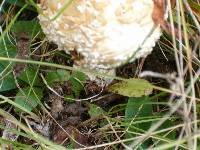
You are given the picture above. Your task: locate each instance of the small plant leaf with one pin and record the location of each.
(95, 110)
(29, 76)
(52, 77)
(7, 49)
(7, 81)
(138, 108)
(63, 75)
(31, 28)
(77, 79)
(59, 75)
(28, 98)
(79, 75)
(132, 88)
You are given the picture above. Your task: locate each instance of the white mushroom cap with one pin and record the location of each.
(107, 33)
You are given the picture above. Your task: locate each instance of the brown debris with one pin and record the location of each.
(69, 117)
(23, 51)
(6, 134)
(57, 101)
(79, 141)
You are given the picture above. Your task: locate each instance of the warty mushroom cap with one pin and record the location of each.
(107, 33)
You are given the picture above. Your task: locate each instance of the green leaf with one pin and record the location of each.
(77, 79)
(31, 28)
(57, 76)
(29, 76)
(95, 110)
(7, 49)
(137, 108)
(63, 75)
(52, 77)
(7, 82)
(79, 75)
(28, 98)
(132, 88)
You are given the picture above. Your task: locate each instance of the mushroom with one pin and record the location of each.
(106, 33)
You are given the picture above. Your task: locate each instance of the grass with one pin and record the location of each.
(168, 118)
